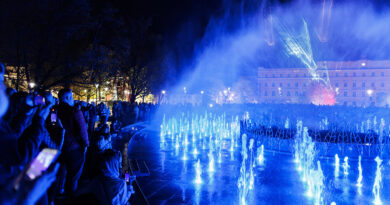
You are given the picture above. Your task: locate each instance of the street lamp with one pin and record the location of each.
(369, 92)
(225, 92)
(202, 92)
(163, 92)
(32, 85)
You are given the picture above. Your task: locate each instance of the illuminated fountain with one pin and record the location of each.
(260, 152)
(211, 168)
(346, 166)
(213, 135)
(198, 170)
(360, 178)
(251, 165)
(336, 165)
(378, 181)
(243, 179)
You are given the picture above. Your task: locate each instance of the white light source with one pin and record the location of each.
(211, 105)
(32, 85)
(105, 89)
(96, 85)
(363, 64)
(225, 92)
(202, 92)
(369, 92)
(163, 92)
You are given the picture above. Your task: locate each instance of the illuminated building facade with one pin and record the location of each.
(352, 83)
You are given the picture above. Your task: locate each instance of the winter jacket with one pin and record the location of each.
(76, 134)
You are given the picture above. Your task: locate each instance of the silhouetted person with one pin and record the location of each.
(75, 142)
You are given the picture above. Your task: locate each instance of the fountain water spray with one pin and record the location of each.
(378, 181)
(198, 170)
(244, 175)
(195, 152)
(346, 166)
(251, 165)
(336, 165)
(211, 163)
(260, 157)
(360, 178)
(318, 184)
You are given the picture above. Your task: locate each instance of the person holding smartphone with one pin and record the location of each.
(14, 151)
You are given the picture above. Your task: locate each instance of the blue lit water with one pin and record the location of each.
(276, 182)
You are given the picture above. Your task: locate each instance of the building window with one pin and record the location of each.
(345, 84)
(281, 75)
(345, 74)
(265, 93)
(296, 84)
(288, 84)
(354, 103)
(363, 84)
(296, 93)
(345, 94)
(363, 94)
(373, 74)
(304, 94)
(373, 84)
(266, 75)
(382, 74)
(354, 85)
(273, 84)
(364, 74)
(324, 75)
(281, 84)
(354, 74)
(304, 75)
(337, 84)
(296, 75)
(265, 84)
(273, 93)
(354, 94)
(273, 75)
(337, 75)
(288, 75)
(382, 85)
(288, 93)
(304, 85)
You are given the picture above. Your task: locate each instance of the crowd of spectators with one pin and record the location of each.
(78, 133)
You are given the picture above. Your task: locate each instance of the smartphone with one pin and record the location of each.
(41, 163)
(39, 100)
(127, 177)
(53, 117)
(37, 166)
